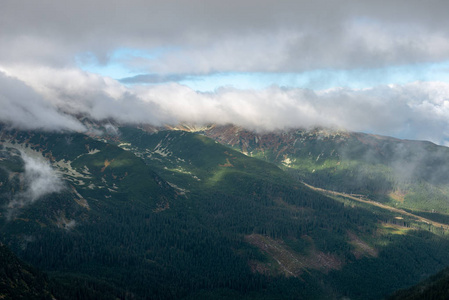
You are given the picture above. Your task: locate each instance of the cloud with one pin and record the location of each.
(418, 110)
(155, 78)
(391, 110)
(353, 45)
(39, 179)
(169, 41)
(217, 36)
(24, 108)
(72, 92)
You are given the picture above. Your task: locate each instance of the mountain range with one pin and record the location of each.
(190, 212)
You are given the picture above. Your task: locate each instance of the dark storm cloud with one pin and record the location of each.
(214, 36)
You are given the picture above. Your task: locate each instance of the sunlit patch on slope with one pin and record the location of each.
(361, 248)
(395, 229)
(290, 263)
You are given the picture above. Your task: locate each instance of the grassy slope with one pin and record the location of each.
(400, 173)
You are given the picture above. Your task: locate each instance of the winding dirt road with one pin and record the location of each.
(374, 203)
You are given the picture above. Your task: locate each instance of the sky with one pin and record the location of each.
(367, 66)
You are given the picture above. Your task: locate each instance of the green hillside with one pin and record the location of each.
(176, 215)
(401, 173)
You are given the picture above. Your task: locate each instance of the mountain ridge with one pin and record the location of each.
(377, 166)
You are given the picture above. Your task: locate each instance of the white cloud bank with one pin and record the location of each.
(50, 97)
(23, 108)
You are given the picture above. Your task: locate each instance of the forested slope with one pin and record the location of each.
(170, 215)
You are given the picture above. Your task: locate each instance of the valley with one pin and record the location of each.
(174, 214)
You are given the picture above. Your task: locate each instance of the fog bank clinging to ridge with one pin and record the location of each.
(49, 103)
